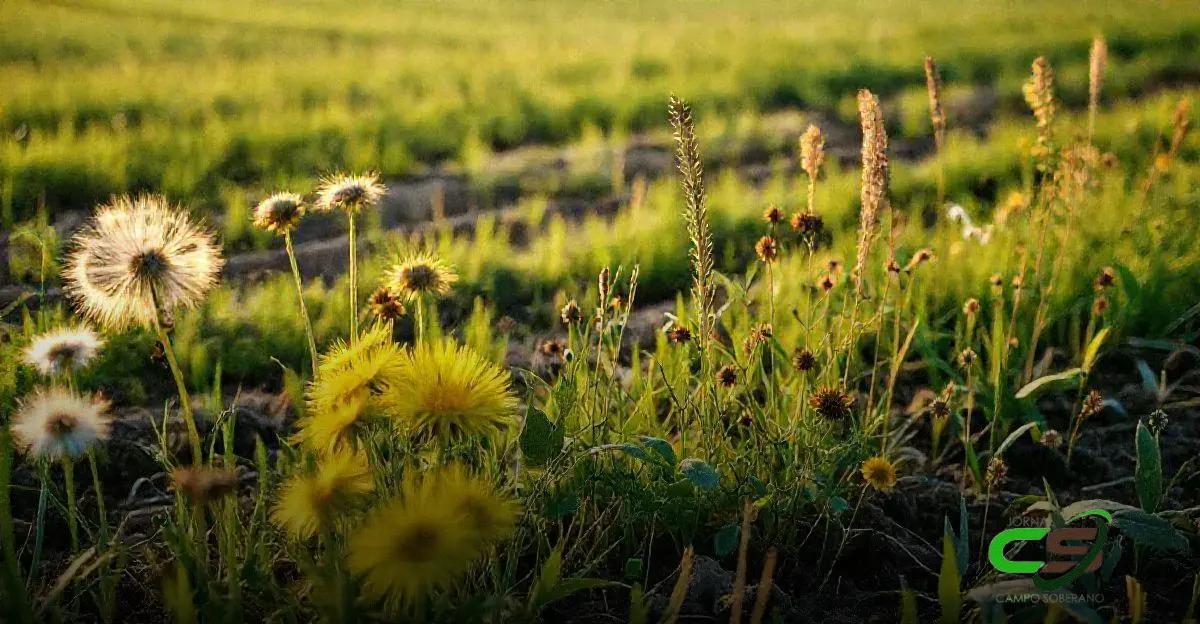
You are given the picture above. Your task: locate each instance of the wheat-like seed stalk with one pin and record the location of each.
(874, 179)
(691, 174)
(1098, 61)
(937, 116)
(1039, 94)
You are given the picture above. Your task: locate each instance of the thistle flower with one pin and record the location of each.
(449, 391)
(386, 305)
(349, 193)
(879, 473)
(280, 213)
(137, 256)
(63, 349)
(767, 249)
(812, 151)
(727, 376)
(314, 502)
(832, 403)
(204, 484)
(421, 275)
(874, 185)
(55, 423)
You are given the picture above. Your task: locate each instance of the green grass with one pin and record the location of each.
(196, 100)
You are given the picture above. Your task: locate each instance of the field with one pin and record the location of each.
(547, 311)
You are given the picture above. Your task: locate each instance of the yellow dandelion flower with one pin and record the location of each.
(449, 391)
(55, 423)
(489, 516)
(409, 548)
(280, 213)
(370, 364)
(136, 256)
(371, 343)
(349, 193)
(879, 473)
(63, 349)
(315, 502)
(421, 275)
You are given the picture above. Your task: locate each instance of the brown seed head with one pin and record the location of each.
(767, 249)
(832, 403)
(804, 360)
(571, 313)
(386, 305)
(727, 376)
(773, 215)
(812, 151)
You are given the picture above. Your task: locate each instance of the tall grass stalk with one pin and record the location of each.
(308, 331)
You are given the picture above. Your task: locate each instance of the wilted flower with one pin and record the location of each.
(280, 213)
(773, 215)
(570, 313)
(727, 376)
(1107, 278)
(971, 307)
(62, 349)
(56, 423)
(832, 403)
(767, 249)
(349, 193)
(386, 305)
(679, 334)
(1157, 421)
(204, 484)
(997, 471)
(804, 360)
(138, 256)
(808, 224)
(879, 473)
(1051, 438)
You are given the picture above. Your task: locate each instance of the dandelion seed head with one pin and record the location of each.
(280, 213)
(55, 423)
(349, 193)
(421, 275)
(137, 256)
(63, 349)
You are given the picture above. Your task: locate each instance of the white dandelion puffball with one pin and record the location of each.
(349, 193)
(56, 423)
(138, 256)
(63, 349)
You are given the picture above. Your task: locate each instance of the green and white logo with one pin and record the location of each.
(1067, 543)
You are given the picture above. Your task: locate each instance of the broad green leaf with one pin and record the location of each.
(1150, 530)
(949, 595)
(699, 473)
(726, 540)
(633, 450)
(662, 447)
(1012, 437)
(541, 441)
(1148, 475)
(1057, 381)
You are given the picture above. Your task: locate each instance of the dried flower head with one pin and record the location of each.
(571, 313)
(879, 473)
(939, 408)
(421, 275)
(826, 283)
(551, 348)
(759, 335)
(920, 257)
(349, 193)
(1157, 422)
(1051, 438)
(280, 213)
(832, 403)
(62, 349)
(137, 256)
(874, 185)
(997, 471)
(812, 151)
(204, 484)
(55, 423)
(967, 357)
(1093, 404)
(386, 305)
(1107, 278)
(804, 360)
(971, 307)
(767, 249)
(679, 334)
(773, 215)
(727, 376)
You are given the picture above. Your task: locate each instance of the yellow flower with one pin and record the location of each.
(410, 547)
(879, 473)
(55, 423)
(138, 256)
(349, 193)
(314, 502)
(419, 275)
(350, 379)
(489, 516)
(449, 391)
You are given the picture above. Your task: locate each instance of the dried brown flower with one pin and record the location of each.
(767, 249)
(385, 304)
(571, 313)
(832, 403)
(773, 215)
(804, 360)
(727, 376)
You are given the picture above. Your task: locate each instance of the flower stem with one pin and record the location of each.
(72, 523)
(308, 331)
(185, 402)
(353, 281)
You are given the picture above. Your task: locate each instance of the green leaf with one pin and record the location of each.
(633, 450)
(633, 569)
(662, 447)
(908, 606)
(561, 505)
(1150, 531)
(1093, 349)
(726, 540)
(569, 586)
(699, 473)
(949, 595)
(541, 441)
(1148, 475)
(1057, 381)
